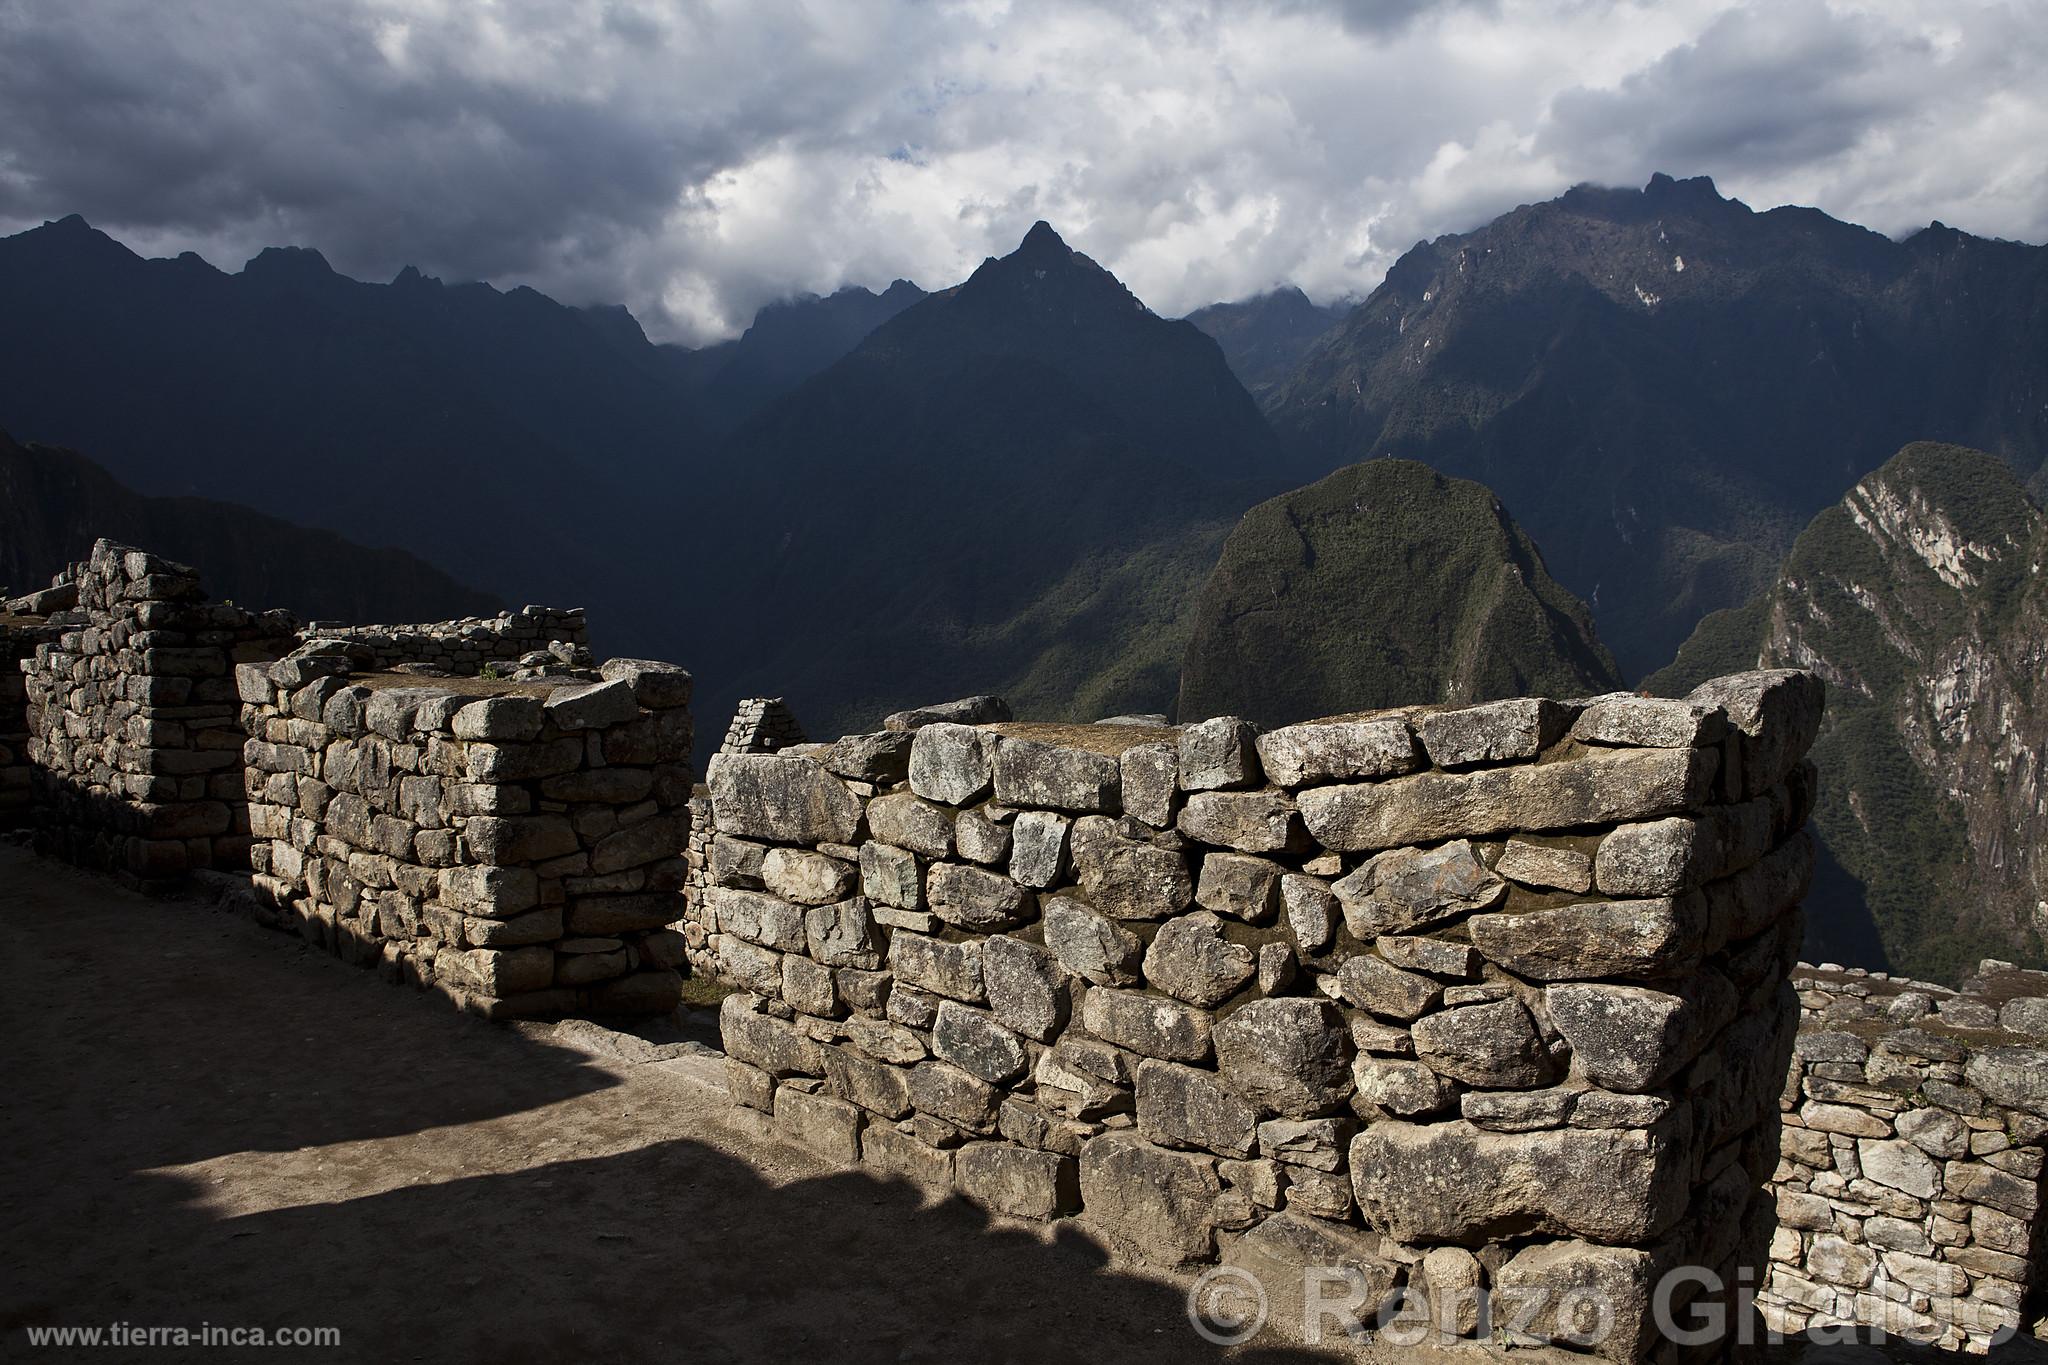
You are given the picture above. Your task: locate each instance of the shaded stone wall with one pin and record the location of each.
(518, 847)
(465, 647)
(20, 633)
(1909, 1191)
(1488, 1000)
(135, 737)
(761, 725)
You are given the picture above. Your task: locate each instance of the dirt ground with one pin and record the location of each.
(206, 1122)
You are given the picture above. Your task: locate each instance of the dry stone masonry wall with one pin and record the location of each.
(21, 630)
(518, 847)
(1909, 1192)
(1487, 1000)
(469, 646)
(135, 738)
(761, 725)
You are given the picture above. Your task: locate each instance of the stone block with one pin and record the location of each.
(826, 1126)
(1045, 776)
(1154, 1203)
(1218, 753)
(1017, 1181)
(951, 764)
(1180, 1106)
(1289, 1056)
(1454, 1182)
(782, 799)
(1091, 946)
(1598, 788)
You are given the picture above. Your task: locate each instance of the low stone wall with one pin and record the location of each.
(516, 846)
(19, 636)
(463, 648)
(1479, 1002)
(1909, 1192)
(135, 738)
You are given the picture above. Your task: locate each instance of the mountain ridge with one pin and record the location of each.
(55, 503)
(1920, 598)
(1667, 386)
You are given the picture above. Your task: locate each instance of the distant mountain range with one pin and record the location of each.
(1015, 485)
(54, 503)
(1922, 598)
(1385, 584)
(789, 341)
(1666, 386)
(1022, 483)
(544, 452)
(1264, 337)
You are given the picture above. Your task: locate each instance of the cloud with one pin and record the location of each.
(696, 158)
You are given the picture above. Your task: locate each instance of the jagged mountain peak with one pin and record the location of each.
(1043, 240)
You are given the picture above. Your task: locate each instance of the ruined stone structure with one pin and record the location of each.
(135, 737)
(516, 845)
(467, 647)
(20, 633)
(1482, 1005)
(1909, 1192)
(761, 725)
(1489, 1000)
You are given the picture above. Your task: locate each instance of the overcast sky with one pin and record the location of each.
(695, 158)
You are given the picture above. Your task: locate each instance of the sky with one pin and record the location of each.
(694, 159)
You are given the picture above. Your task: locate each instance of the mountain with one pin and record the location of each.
(789, 341)
(1666, 386)
(1921, 598)
(1385, 584)
(497, 433)
(1015, 485)
(53, 503)
(1264, 337)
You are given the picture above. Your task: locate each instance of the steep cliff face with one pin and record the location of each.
(1384, 584)
(1922, 597)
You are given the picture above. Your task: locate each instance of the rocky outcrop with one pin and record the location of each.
(1921, 597)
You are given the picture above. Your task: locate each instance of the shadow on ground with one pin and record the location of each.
(208, 1123)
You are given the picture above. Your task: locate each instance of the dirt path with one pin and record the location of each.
(207, 1122)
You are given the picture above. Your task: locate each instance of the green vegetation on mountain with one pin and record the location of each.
(1921, 598)
(1015, 486)
(1666, 386)
(1384, 584)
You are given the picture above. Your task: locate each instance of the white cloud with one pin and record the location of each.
(695, 158)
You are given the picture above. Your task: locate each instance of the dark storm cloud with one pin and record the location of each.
(695, 158)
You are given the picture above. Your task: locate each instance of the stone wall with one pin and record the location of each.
(761, 725)
(518, 846)
(20, 633)
(1909, 1191)
(468, 646)
(1484, 1001)
(135, 738)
